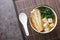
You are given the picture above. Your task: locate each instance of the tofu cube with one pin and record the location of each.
(51, 25)
(50, 20)
(46, 29)
(44, 20)
(45, 25)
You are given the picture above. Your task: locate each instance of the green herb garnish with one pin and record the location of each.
(46, 12)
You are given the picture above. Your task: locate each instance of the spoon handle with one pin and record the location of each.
(26, 29)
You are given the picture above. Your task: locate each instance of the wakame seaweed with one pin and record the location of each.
(46, 12)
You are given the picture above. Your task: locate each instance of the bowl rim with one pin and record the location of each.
(55, 19)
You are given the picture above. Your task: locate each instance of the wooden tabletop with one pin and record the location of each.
(27, 5)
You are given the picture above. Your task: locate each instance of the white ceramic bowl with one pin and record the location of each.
(54, 25)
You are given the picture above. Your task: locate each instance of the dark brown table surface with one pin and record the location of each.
(27, 5)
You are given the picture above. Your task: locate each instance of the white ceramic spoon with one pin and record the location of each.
(23, 20)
